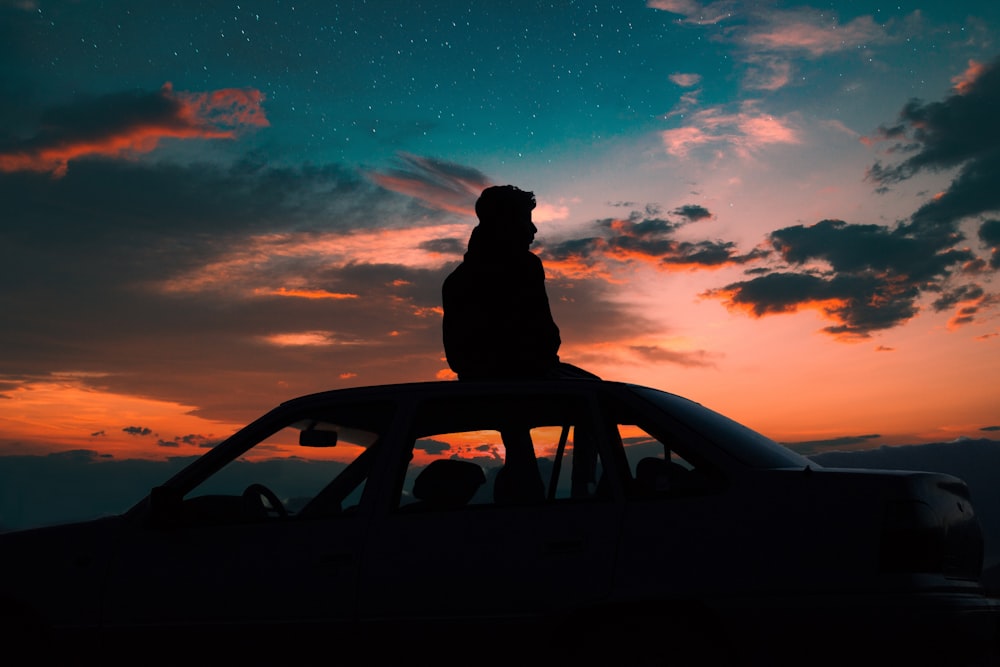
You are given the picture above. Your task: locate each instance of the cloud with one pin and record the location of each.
(766, 72)
(989, 234)
(685, 80)
(692, 212)
(248, 275)
(696, 12)
(867, 278)
(657, 354)
(137, 430)
(770, 39)
(815, 446)
(965, 82)
(809, 32)
(864, 278)
(454, 247)
(745, 132)
(959, 132)
(124, 125)
(440, 184)
(206, 264)
(430, 446)
(646, 240)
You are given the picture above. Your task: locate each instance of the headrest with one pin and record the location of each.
(448, 482)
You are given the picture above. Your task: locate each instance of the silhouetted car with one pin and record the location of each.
(592, 522)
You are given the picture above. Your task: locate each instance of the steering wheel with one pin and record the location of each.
(254, 497)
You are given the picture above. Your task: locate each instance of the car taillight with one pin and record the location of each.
(913, 538)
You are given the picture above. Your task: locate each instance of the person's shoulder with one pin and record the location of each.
(533, 261)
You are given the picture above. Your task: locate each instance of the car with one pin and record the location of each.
(587, 521)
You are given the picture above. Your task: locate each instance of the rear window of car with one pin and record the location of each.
(742, 443)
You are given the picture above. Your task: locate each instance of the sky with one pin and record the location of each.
(785, 211)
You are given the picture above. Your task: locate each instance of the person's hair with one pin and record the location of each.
(499, 202)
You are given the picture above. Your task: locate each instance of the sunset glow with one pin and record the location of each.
(787, 212)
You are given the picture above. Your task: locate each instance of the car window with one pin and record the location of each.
(316, 463)
(503, 450)
(740, 442)
(659, 461)
(658, 469)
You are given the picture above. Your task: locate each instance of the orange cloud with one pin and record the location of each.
(304, 293)
(122, 126)
(68, 409)
(964, 81)
(302, 339)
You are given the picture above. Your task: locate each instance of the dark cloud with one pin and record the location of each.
(441, 184)
(650, 240)
(971, 193)
(865, 278)
(90, 252)
(454, 247)
(433, 447)
(855, 248)
(989, 234)
(958, 132)
(809, 447)
(692, 212)
(129, 123)
(949, 133)
(950, 298)
(990, 428)
(136, 430)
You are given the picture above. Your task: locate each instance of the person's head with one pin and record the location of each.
(505, 212)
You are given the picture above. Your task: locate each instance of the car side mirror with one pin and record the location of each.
(164, 506)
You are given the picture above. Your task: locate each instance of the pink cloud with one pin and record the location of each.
(744, 132)
(685, 80)
(811, 32)
(766, 72)
(695, 12)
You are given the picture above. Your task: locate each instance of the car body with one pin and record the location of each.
(475, 521)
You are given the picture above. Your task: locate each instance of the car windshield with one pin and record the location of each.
(742, 443)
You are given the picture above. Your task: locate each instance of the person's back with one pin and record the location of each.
(497, 321)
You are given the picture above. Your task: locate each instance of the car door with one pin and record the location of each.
(463, 549)
(268, 546)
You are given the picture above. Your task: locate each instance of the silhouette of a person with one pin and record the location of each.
(497, 321)
(498, 325)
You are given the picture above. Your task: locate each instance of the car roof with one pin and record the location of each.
(448, 387)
